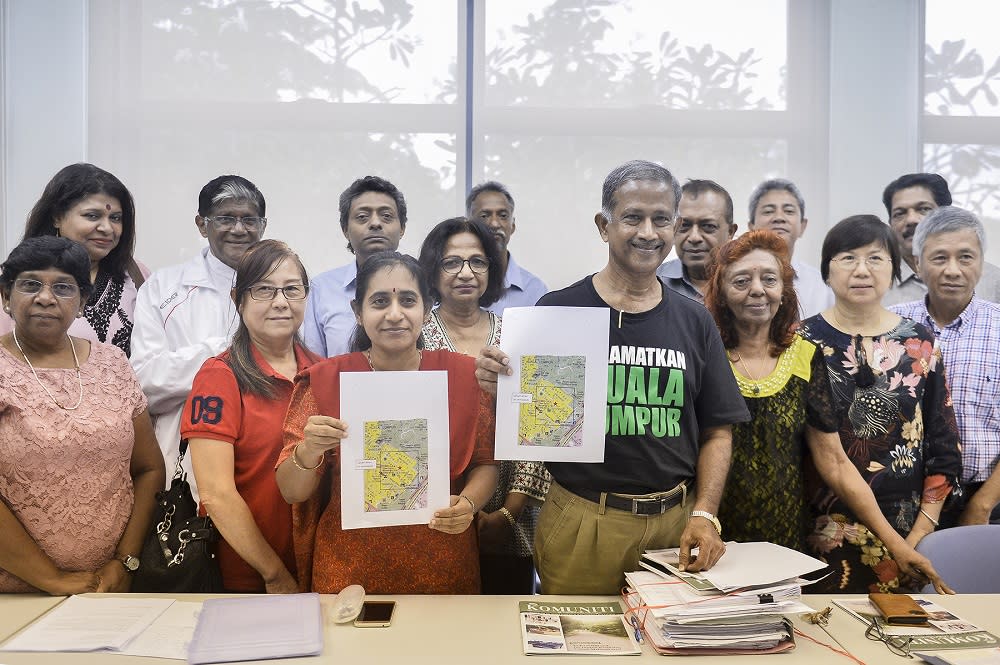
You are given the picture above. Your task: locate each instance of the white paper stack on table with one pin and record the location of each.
(737, 606)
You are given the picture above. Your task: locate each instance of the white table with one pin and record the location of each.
(482, 630)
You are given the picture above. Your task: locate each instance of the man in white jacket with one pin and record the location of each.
(184, 314)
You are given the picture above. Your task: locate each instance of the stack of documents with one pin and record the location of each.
(736, 607)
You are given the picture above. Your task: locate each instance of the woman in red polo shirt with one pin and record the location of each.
(233, 421)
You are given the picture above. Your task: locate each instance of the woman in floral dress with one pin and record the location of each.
(895, 416)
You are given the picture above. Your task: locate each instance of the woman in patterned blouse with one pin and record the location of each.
(91, 206)
(465, 268)
(894, 414)
(783, 379)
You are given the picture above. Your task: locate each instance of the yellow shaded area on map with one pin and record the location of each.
(551, 406)
(394, 469)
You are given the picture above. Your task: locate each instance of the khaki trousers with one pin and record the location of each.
(584, 548)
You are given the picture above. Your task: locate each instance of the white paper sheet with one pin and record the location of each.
(553, 406)
(750, 564)
(169, 636)
(89, 624)
(403, 476)
(257, 628)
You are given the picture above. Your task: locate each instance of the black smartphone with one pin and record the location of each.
(375, 614)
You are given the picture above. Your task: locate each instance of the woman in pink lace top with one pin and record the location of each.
(79, 464)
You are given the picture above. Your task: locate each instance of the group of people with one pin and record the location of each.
(809, 408)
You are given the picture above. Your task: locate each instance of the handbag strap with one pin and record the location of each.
(178, 471)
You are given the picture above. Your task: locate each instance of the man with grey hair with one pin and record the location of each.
(948, 245)
(671, 401)
(491, 203)
(777, 205)
(909, 199)
(184, 314)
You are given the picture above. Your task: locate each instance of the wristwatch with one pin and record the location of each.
(710, 517)
(130, 562)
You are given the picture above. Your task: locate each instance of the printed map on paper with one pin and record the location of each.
(554, 417)
(399, 479)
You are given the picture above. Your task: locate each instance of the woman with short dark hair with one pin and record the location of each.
(79, 464)
(894, 415)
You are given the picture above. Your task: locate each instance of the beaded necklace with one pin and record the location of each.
(76, 361)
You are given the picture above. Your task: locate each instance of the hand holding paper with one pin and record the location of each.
(321, 433)
(489, 365)
(700, 534)
(454, 519)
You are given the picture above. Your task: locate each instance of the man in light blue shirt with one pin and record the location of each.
(492, 204)
(373, 219)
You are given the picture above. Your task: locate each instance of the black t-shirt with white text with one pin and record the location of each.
(668, 376)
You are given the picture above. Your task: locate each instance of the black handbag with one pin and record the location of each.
(178, 555)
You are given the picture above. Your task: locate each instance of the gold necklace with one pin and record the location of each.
(756, 382)
(368, 354)
(76, 361)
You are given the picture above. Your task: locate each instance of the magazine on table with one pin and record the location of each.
(944, 630)
(576, 628)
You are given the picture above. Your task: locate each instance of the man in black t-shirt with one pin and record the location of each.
(671, 401)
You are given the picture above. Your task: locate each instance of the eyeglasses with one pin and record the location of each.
(32, 287)
(897, 644)
(850, 261)
(453, 264)
(291, 292)
(228, 222)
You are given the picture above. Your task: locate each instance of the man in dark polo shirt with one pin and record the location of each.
(671, 401)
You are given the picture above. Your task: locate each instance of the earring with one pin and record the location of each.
(58, 233)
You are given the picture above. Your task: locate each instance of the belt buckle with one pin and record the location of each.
(636, 501)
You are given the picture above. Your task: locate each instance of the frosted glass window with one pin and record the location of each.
(642, 52)
(962, 58)
(361, 51)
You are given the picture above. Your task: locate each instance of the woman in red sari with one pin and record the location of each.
(391, 305)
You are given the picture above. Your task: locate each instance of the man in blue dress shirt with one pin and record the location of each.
(373, 219)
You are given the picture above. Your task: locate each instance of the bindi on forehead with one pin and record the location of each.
(107, 206)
